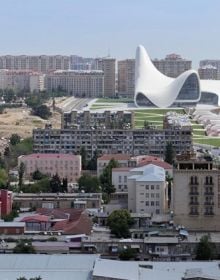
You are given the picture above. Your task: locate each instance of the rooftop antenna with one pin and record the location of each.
(109, 54)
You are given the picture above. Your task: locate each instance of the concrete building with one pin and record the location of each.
(208, 72)
(105, 120)
(23, 80)
(82, 63)
(150, 141)
(196, 184)
(108, 66)
(126, 78)
(147, 190)
(78, 83)
(65, 166)
(41, 63)
(172, 65)
(213, 62)
(61, 200)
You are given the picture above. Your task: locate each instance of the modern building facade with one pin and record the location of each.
(173, 65)
(196, 196)
(78, 83)
(147, 190)
(41, 63)
(154, 89)
(126, 78)
(88, 119)
(82, 63)
(65, 166)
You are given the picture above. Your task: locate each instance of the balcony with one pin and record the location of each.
(209, 214)
(193, 193)
(208, 193)
(193, 203)
(193, 213)
(193, 183)
(208, 184)
(209, 203)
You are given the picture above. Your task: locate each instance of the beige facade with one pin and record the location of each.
(77, 83)
(42, 63)
(108, 66)
(65, 166)
(126, 78)
(196, 197)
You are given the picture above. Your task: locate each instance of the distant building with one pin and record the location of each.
(208, 72)
(196, 188)
(38, 63)
(5, 202)
(173, 65)
(126, 78)
(108, 66)
(23, 80)
(105, 120)
(65, 166)
(147, 190)
(213, 62)
(82, 63)
(83, 83)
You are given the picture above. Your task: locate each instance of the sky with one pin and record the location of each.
(95, 28)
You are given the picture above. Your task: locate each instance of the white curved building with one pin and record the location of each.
(152, 88)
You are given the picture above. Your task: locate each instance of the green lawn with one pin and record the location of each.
(198, 132)
(208, 141)
(159, 111)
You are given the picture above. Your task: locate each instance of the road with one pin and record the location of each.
(73, 103)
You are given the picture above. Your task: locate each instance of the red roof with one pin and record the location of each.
(115, 156)
(36, 218)
(162, 164)
(51, 156)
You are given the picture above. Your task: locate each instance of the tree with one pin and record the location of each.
(90, 184)
(92, 164)
(205, 250)
(65, 185)
(37, 175)
(24, 247)
(15, 139)
(55, 184)
(106, 177)
(119, 223)
(21, 171)
(42, 111)
(169, 180)
(127, 254)
(169, 153)
(3, 178)
(83, 154)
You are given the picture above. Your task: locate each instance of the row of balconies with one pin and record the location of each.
(205, 203)
(210, 193)
(205, 213)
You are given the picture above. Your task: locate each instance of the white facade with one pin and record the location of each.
(162, 91)
(120, 179)
(147, 190)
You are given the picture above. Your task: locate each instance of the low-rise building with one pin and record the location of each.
(147, 190)
(65, 166)
(5, 202)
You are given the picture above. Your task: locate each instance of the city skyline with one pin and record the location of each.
(88, 28)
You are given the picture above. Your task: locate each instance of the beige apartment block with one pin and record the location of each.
(196, 184)
(65, 166)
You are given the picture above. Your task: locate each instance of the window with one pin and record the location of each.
(152, 187)
(147, 203)
(152, 195)
(125, 179)
(152, 203)
(157, 195)
(157, 203)
(119, 179)
(158, 187)
(147, 195)
(147, 187)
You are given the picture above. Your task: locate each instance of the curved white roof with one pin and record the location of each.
(161, 90)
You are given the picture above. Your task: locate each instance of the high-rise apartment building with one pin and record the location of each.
(173, 65)
(213, 62)
(41, 63)
(208, 72)
(77, 83)
(82, 63)
(108, 66)
(196, 193)
(126, 78)
(21, 80)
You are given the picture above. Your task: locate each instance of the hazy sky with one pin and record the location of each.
(96, 27)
